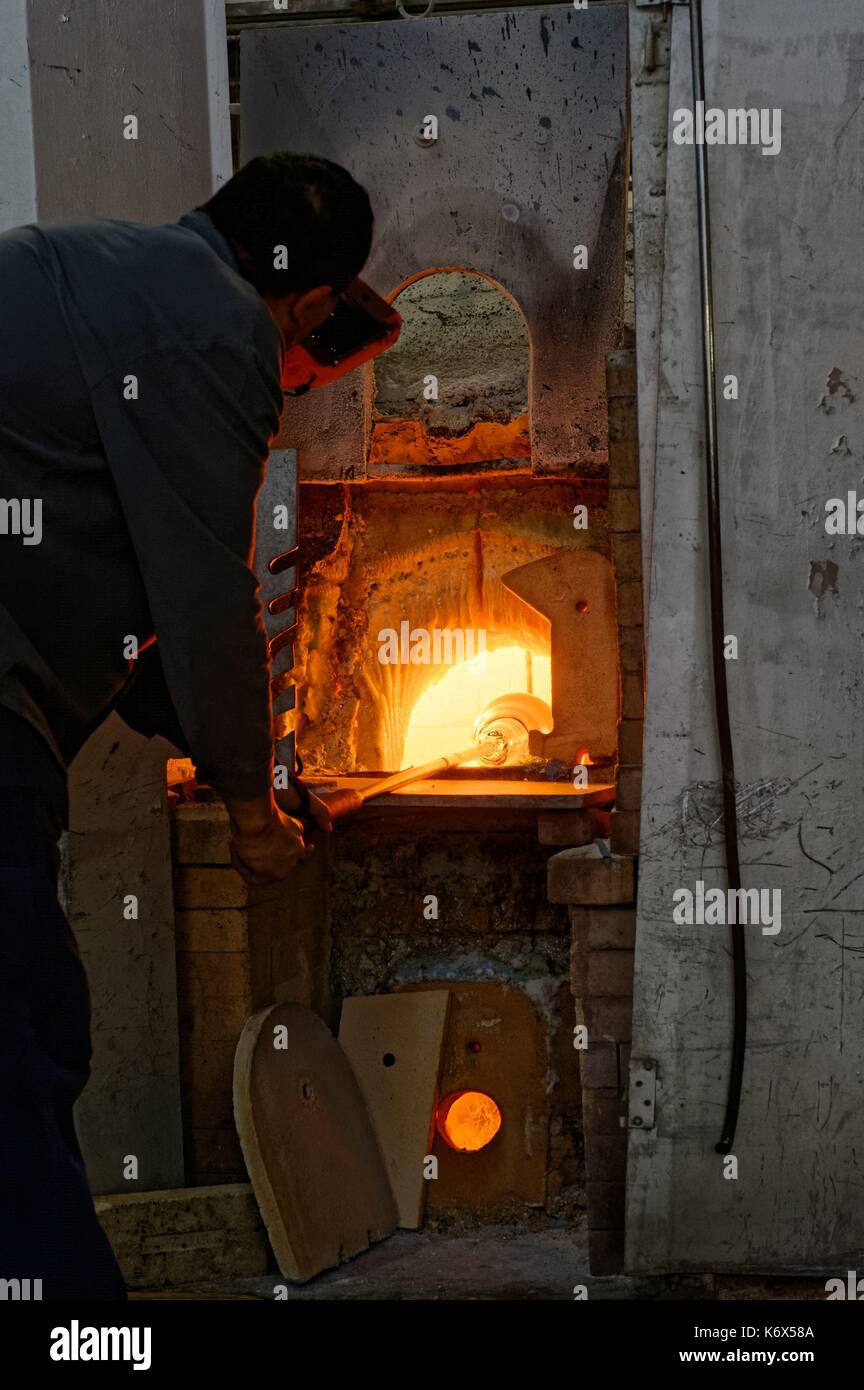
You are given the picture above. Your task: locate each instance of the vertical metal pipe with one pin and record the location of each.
(715, 571)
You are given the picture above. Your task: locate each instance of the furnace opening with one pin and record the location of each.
(442, 719)
(468, 1120)
(409, 621)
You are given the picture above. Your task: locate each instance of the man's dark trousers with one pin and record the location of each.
(48, 1227)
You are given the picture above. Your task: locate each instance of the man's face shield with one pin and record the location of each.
(362, 325)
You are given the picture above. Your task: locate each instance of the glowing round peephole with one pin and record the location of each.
(467, 1120)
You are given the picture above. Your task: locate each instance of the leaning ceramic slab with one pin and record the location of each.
(394, 1044)
(310, 1149)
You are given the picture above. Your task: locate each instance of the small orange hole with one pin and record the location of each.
(468, 1120)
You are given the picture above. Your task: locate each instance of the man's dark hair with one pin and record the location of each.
(312, 207)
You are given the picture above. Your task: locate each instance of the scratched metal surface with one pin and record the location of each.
(530, 107)
(276, 535)
(650, 34)
(789, 283)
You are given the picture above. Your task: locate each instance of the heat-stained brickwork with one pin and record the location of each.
(238, 950)
(601, 891)
(624, 526)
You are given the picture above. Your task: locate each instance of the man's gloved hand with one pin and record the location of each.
(270, 852)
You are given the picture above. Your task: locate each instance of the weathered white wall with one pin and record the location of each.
(93, 64)
(17, 171)
(529, 163)
(789, 285)
(650, 35)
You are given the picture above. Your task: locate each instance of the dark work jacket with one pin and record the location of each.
(139, 393)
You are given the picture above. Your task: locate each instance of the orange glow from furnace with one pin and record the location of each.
(468, 1120)
(584, 758)
(442, 720)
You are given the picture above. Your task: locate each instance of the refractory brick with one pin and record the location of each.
(201, 834)
(624, 832)
(212, 929)
(578, 966)
(603, 1111)
(584, 876)
(610, 973)
(608, 1017)
(606, 1157)
(630, 645)
(621, 374)
(185, 1235)
(632, 699)
(605, 1252)
(624, 516)
(209, 887)
(610, 928)
(628, 794)
(623, 463)
(599, 1065)
(630, 603)
(630, 736)
(605, 1205)
(623, 423)
(626, 554)
(566, 828)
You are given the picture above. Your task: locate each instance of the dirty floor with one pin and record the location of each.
(493, 1265)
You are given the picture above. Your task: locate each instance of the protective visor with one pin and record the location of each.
(362, 325)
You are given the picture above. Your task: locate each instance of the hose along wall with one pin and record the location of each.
(715, 571)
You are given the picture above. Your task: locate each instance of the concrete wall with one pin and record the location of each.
(789, 287)
(650, 33)
(90, 67)
(17, 168)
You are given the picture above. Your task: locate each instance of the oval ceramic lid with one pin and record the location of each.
(309, 1146)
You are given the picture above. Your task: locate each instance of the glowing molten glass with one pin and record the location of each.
(443, 717)
(468, 1120)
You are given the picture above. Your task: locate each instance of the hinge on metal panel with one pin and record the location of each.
(643, 1086)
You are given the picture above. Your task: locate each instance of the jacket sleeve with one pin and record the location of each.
(146, 706)
(187, 433)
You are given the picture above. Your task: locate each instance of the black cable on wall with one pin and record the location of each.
(718, 626)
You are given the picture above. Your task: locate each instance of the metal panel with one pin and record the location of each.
(650, 36)
(528, 165)
(119, 844)
(17, 170)
(218, 117)
(95, 65)
(240, 12)
(276, 536)
(789, 286)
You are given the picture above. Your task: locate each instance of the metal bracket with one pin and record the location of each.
(643, 1087)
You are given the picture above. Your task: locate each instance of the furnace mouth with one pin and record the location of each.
(482, 702)
(468, 1120)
